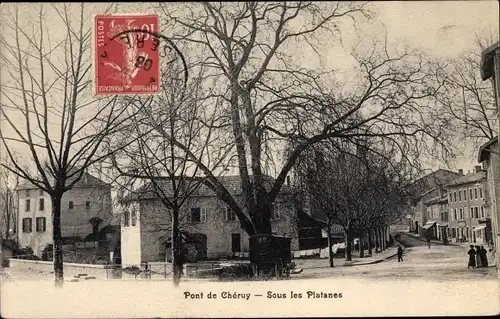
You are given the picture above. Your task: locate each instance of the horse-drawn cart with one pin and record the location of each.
(270, 255)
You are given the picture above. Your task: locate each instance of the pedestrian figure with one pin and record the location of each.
(483, 256)
(429, 242)
(478, 257)
(400, 253)
(472, 257)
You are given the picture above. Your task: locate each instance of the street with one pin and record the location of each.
(432, 281)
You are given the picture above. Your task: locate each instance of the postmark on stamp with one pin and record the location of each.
(126, 62)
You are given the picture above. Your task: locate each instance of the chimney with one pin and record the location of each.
(461, 171)
(477, 169)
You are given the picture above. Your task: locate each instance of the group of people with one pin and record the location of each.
(477, 257)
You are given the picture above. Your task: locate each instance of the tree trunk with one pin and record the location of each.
(177, 252)
(7, 221)
(382, 239)
(370, 242)
(386, 240)
(57, 239)
(361, 244)
(330, 253)
(348, 244)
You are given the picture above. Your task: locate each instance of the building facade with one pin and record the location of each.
(469, 212)
(436, 225)
(85, 209)
(490, 152)
(210, 228)
(427, 188)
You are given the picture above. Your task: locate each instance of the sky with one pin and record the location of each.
(441, 28)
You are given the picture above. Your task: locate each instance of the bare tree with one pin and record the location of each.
(468, 101)
(47, 105)
(179, 115)
(271, 100)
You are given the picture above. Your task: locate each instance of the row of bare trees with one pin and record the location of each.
(354, 187)
(252, 103)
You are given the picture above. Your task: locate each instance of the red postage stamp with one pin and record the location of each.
(126, 56)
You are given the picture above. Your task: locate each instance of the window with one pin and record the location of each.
(460, 196)
(451, 198)
(482, 212)
(461, 214)
(230, 215)
(40, 224)
(87, 205)
(198, 215)
(126, 218)
(27, 225)
(203, 214)
(454, 196)
(475, 192)
(455, 214)
(470, 194)
(70, 204)
(27, 193)
(27, 204)
(480, 192)
(40, 192)
(465, 194)
(133, 217)
(476, 212)
(41, 204)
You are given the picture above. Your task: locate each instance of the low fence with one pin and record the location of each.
(70, 269)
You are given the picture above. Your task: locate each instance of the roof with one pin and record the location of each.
(485, 150)
(307, 221)
(232, 183)
(433, 180)
(468, 179)
(436, 200)
(87, 180)
(487, 59)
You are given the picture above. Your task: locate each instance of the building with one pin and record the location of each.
(210, 229)
(489, 154)
(426, 188)
(85, 209)
(437, 217)
(469, 214)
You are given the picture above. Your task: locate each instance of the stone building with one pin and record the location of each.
(426, 188)
(437, 217)
(489, 154)
(85, 209)
(469, 214)
(210, 228)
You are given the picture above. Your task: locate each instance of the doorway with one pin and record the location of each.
(235, 243)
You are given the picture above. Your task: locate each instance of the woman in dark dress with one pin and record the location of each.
(472, 257)
(484, 258)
